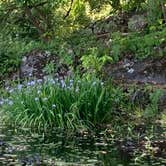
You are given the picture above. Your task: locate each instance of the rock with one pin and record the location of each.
(137, 23)
(38, 64)
(33, 63)
(150, 71)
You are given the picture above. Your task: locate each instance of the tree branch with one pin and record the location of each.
(68, 12)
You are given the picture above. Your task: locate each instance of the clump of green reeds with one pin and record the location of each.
(70, 103)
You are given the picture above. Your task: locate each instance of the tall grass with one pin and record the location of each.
(63, 104)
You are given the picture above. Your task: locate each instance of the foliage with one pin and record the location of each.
(152, 109)
(138, 45)
(34, 18)
(47, 20)
(154, 12)
(93, 63)
(11, 51)
(49, 68)
(66, 104)
(133, 5)
(61, 27)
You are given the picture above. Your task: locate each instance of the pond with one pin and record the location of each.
(58, 148)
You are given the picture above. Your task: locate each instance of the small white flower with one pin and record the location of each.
(48, 53)
(19, 86)
(39, 91)
(31, 83)
(30, 74)
(130, 71)
(52, 81)
(10, 102)
(24, 59)
(45, 99)
(68, 87)
(39, 81)
(63, 84)
(94, 83)
(36, 99)
(77, 89)
(7, 88)
(53, 106)
(57, 79)
(11, 90)
(1, 102)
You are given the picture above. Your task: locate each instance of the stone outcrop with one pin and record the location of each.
(34, 64)
(151, 71)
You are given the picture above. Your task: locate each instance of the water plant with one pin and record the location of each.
(57, 103)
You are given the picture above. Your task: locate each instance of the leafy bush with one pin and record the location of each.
(93, 63)
(66, 104)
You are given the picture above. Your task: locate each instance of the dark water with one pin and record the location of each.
(57, 148)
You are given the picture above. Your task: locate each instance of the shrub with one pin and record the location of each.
(93, 63)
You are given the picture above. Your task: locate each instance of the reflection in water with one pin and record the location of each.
(56, 148)
(59, 148)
